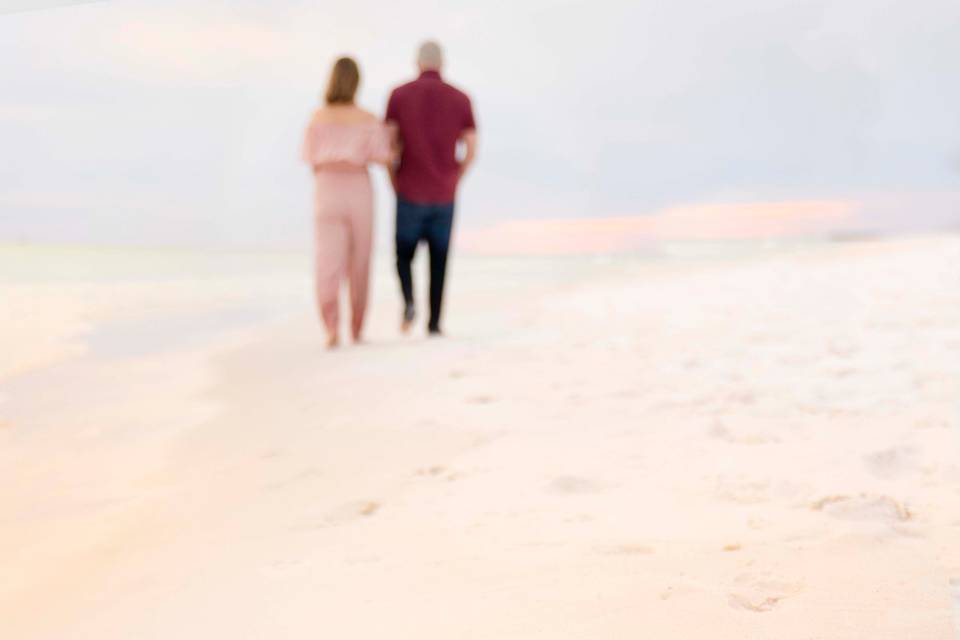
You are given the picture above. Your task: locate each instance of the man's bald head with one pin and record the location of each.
(430, 56)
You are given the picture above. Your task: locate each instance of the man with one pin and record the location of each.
(432, 119)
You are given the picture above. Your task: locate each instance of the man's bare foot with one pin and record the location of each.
(333, 341)
(409, 313)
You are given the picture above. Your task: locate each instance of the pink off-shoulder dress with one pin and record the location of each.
(343, 211)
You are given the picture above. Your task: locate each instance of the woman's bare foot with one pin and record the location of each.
(333, 341)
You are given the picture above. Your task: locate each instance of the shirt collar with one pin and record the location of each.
(435, 75)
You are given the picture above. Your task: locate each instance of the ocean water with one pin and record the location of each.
(40, 262)
(28, 263)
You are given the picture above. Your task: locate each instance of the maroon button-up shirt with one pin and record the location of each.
(431, 116)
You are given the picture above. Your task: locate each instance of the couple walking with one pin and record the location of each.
(426, 120)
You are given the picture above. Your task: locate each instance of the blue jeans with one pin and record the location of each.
(433, 223)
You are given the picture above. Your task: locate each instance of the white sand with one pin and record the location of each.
(765, 448)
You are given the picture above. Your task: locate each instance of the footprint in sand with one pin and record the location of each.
(955, 593)
(932, 422)
(440, 472)
(368, 508)
(760, 593)
(627, 550)
(481, 399)
(305, 475)
(344, 514)
(572, 485)
(677, 590)
(864, 508)
(742, 491)
(891, 463)
(758, 524)
(843, 372)
(741, 397)
(283, 568)
(842, 348)
(435, 470)
(745, 433)
(583, 518)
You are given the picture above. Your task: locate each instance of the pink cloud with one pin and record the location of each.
(755, 220)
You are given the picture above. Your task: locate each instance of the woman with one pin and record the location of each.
(340, 142)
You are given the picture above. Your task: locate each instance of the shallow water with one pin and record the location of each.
(149, 336)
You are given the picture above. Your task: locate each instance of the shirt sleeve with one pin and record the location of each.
(391, 108)
(468, 120)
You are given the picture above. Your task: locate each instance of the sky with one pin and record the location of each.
(603, 124)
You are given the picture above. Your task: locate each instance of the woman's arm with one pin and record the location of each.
(309, 147)
(384, 146)
(396, 149)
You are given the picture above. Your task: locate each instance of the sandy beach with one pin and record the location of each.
(720, 448)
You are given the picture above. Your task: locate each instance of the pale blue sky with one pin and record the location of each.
(179, 122)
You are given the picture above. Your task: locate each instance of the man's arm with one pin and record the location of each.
(469, 140)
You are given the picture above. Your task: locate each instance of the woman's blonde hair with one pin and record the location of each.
(344, 80)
